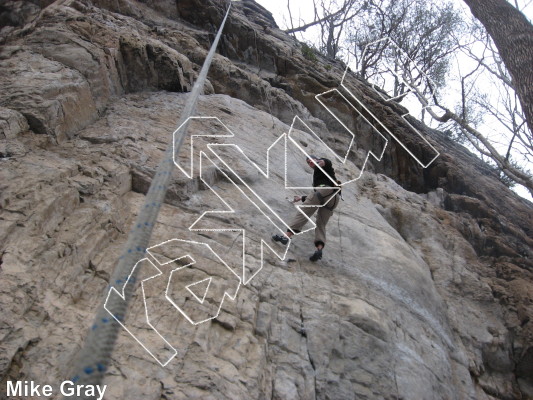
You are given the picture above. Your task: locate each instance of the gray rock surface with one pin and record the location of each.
(425, 288)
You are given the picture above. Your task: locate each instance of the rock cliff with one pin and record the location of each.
(425, 289)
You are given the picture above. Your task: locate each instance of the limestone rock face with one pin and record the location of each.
(12, 123)
(425, 288)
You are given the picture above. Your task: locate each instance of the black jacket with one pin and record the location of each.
(319, 178)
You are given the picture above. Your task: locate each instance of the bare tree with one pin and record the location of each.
(421, 38)
(420, 44)
(332, 28)
(488, 113)
(332, 18)
(513, 36)
(504, 106)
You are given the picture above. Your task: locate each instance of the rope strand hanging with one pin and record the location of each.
(94, 356)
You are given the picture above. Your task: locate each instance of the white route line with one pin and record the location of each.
(343, 160)
(226, 294)
(273, 215)
(188, 287)
(122, 295)
(245, 280)
(190, 174)
(389, 99)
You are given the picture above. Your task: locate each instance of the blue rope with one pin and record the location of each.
(94, 357)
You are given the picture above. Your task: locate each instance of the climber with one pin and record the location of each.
(325, 197)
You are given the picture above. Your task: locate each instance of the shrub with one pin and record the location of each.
(308, 52)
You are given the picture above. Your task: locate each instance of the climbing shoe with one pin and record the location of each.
(317, 255)
(280, 238)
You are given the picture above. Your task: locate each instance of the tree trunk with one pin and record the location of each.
(513, 35)
(331, 50)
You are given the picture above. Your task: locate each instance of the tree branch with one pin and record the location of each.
(474, 136)
(319, 21)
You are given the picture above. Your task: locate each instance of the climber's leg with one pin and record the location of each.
(322, 218)
(299, 219)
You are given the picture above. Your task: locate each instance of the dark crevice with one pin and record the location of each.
(36, 125)
(14, 370)
(303, 332)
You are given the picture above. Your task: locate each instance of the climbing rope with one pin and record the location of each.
(261, 88)
(340, 236)
(94, 357)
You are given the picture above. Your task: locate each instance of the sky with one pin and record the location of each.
(303, 9)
